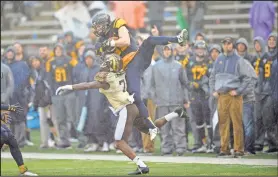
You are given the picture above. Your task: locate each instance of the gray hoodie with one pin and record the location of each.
(246, 55)
(168, 83)
(7, 83)
(249, 92)
(229, 73)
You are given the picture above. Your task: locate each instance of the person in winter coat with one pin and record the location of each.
(169, 89)
(242, 49)
(262, 16)
(264, 111)
(96, 124)
(274, 74)
(21, 74)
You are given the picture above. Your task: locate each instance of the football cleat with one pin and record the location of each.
(202, 149)
(140, 170)
(183, 37)
(91, 148)
(28, 173)
(105, 147)
(153, 132)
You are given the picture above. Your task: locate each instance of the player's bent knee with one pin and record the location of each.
(119, 143)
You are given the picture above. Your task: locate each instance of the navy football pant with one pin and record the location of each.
(7, 137)
(138, 65)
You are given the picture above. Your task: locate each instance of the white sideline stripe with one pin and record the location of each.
(200, 160)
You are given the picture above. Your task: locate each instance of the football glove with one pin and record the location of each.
(108, 45)
(64, 90)
(6, 118)
(16, 108)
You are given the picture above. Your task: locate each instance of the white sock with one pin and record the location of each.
(171, 116)
(139, 162)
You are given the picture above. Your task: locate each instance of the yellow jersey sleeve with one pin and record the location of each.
(119, 23)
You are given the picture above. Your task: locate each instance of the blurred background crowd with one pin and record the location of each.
(37, 35)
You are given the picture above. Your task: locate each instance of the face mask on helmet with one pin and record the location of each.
(100, 24)
(112, 63)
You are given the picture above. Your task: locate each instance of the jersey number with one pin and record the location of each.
(198, 72)
(257, 65)
(60, 75)
(123, 84)
(267, 70)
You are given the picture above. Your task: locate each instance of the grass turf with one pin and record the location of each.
(106, 168)
(35, 137)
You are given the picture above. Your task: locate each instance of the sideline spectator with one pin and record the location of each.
(262, 16)
(227, 84)
(166, 100)
(41, 98)
(265, 120)
(242, 49)
(21, 74)
(96, 123)
(7, 83)
(199, 94)
(214, 52)
(64, 106)
(274, 76)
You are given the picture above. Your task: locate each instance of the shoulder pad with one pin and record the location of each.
(101, 76)
(119, 23)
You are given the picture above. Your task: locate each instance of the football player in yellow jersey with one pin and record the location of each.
(116, 38)
(111, 82)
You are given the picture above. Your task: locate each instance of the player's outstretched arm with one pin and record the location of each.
(90, 85)
(82, 86)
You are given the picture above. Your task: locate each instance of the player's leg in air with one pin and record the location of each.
(140, 63)
(8, 138)
(140, 124)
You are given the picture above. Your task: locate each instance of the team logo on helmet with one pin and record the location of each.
(112, 62)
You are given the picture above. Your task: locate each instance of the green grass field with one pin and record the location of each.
(35, 137)
(106, 168)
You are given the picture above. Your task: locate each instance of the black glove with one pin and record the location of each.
(16, 108)
(181, 112)
(6, 117)
(107, 46)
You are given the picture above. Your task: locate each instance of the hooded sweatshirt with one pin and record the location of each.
(7, 83)
(246, 55)
(168, 75)
(210, 61)
(229, 73)
(272, 52)
(262, 66)
(60, 70)
(20, 72)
